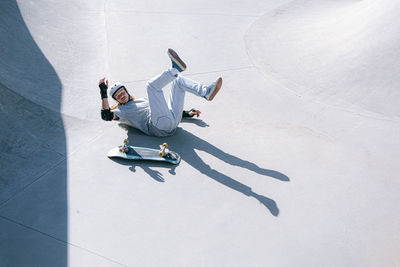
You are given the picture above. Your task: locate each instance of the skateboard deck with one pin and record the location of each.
(163, 154)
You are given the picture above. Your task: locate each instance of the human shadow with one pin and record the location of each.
(186, 144)
(198, 122)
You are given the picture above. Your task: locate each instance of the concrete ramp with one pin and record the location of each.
(32, 143)
(342, 53)
(294, 163)
(51, 50)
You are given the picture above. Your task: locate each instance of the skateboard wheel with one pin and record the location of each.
(121, 149)
(126, 141)
(163, 148)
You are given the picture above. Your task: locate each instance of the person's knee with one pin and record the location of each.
(180, 81)
(149, 86)
(164, 123)
(153, 86)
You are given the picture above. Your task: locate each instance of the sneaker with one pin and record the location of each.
(213, 89)
(177, 63)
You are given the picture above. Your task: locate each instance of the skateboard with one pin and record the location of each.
(126, 151)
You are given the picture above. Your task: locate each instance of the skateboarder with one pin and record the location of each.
(155, 116)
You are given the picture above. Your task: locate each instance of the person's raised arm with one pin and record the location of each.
(106, 114)
(103, 85)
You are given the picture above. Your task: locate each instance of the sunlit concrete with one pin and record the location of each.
(295, 162)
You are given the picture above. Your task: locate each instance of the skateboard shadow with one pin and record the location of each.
(186, 144)
(145, 165)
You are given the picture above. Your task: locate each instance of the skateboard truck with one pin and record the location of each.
(163, 150)
(124, 148)
(161, 153)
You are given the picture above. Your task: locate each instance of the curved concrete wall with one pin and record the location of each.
(294, 163)
(342, 53)
(32, 143)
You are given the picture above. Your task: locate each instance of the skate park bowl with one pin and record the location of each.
(294, 163)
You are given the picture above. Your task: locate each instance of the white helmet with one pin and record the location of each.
(114, 88)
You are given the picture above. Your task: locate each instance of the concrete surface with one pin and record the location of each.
(295, 162)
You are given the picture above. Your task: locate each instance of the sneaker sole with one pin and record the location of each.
(174, 57)
(216, 90)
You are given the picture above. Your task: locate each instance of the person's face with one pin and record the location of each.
(121, 95)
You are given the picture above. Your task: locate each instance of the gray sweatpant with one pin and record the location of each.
(166, 116)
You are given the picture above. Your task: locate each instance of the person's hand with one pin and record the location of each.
(103, 80)
(103, 85)
(191, 113)
(194, 112)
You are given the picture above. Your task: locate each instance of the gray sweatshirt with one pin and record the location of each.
(136, 114)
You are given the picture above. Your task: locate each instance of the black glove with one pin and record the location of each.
(186, 113)
(107, 115)
(103, 90)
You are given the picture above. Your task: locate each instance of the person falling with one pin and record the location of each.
(155, 116)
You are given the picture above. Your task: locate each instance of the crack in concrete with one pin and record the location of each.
(59, 240)
(199, 73)
(183, 13)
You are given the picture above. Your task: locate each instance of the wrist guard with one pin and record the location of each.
(185, 113)
(107, 115)
(103, 90)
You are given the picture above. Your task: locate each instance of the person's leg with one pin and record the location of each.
(161, 115)
(196, 88)
(191, 86)
(208, 92)
(176, 102)
(180, 86)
